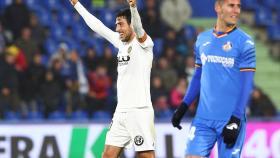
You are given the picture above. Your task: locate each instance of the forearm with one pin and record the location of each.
(246, 88)
(136, 22)
(96, 25)
(194, 87)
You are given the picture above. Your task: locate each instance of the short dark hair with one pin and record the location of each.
(219, 1)
(126, 14)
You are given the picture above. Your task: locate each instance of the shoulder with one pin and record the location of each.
(243, 35)
(148, 42)
(204, 36)
(245, 41)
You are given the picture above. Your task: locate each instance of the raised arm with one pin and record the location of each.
(95, 24)
(136, 22)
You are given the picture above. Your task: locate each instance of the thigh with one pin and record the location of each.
(146, 154)
(111, 151)
(117, 134)
(201, 138)
(140, 125)
(235, 151)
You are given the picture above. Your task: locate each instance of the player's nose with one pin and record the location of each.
(118, 28)
(236, 9)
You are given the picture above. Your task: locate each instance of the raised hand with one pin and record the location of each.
(73, 2)
(132, 3)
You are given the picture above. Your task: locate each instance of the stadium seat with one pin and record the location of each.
(12, 116)
(87, 3)
(268, 3)
(263, 17)
(107, 17)
(4, 3)
(65, 18)
(32, 4)
(189, 32)
(50, 46)
(43, 15)
(277, 6)
(57, 115)
(45, 60)
(80, 32)
(34, 115)
(71, 43)
(249, 4)
(52, 4)
(278, 16)
(96, 43)
(140, 5)
(113, 48)
(79, 115)
(273, 32)
(57, 31)
(158, 47)
(101, 115)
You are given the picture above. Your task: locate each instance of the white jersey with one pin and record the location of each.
(134, 69)
(134, 65)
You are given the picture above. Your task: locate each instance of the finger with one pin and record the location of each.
(179, 127)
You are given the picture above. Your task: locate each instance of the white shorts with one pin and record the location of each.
(133, 128)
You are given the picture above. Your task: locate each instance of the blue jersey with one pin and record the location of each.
(222, 58)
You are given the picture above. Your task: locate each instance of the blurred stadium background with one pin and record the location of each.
(57, 77)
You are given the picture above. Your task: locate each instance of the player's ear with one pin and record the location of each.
(217, 7)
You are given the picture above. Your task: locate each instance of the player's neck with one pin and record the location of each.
(223, 27)
(131, 38)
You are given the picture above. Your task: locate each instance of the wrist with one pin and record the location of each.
(184, 104)
(74, 3)
(183, 107)
(133, 6)
(235, 119)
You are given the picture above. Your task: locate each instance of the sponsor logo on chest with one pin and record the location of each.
(125, 58)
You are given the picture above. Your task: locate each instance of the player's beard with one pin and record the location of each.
(127, 37)
(230, 25)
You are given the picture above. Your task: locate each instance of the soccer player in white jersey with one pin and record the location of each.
(133, 121)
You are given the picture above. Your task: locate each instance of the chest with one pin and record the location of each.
(220, 47)
(125, 54)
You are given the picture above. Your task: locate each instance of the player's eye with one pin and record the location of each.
(231, 5)
(239, 6)
(234, 5)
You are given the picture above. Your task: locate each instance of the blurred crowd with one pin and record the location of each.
(78, 80)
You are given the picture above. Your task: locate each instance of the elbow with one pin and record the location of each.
(139, 32)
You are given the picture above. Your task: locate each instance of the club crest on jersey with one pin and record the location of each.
(138, 140)
(227, 47)
(129, 49)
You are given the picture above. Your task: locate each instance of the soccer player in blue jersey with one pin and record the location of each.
(223, 79)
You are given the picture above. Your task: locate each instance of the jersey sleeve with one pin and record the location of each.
(97, 26)
(147, 43)
(248, 56)
(194, 87)
(197, 54)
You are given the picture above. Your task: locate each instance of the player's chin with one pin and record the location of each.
(232, 23)
(123, 39)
